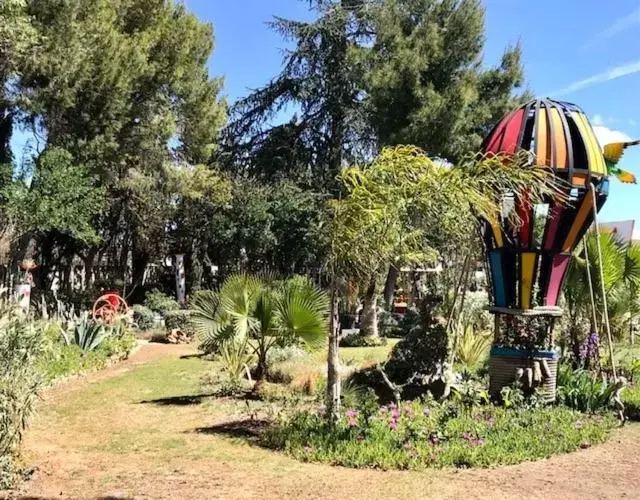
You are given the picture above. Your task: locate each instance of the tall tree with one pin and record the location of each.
(317, 81)
(425, 80)
(124, 88)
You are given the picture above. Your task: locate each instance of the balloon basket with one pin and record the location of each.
(532, 369)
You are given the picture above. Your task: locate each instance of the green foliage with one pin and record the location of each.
(235, 358)
(180, 320)
(631, 399)
(143, 317)
(358, 340)
(582, 390)
(424, 79)
(267, 312)
(422, 352)
(473, 348)
(419, 435)
(62, 196)
(61, 358)
(160, 302)
(20, 347)
(86, 333)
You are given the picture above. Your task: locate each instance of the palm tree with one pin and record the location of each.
(621, 271)
(263, 312)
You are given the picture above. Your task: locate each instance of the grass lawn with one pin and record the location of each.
(153, 431)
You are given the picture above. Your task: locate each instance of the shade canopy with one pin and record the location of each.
(528, 262)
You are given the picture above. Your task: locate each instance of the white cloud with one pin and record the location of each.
(606, 135)
(606, 76)
(597, 120)
(620, 25)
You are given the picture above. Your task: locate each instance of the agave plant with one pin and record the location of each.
(86, 333)
(263, 312)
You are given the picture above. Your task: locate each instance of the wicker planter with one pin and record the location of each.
(533, 369)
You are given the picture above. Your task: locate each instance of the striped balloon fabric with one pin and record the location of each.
(528, 263)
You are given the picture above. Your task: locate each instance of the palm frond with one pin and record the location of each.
(303, 311)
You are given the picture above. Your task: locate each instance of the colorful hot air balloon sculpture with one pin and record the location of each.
(528, 261)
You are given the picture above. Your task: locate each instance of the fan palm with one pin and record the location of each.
(621, 272)
(264, 312)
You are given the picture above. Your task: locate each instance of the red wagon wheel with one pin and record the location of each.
(107, 307)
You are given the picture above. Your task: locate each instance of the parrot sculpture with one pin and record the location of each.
(612, 154)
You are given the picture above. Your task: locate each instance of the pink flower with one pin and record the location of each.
(407, 408)
(491, 421)
(351, 413)
(395, 414)
(353, 423)
(467, 435)
(392, 405)
(393, 425)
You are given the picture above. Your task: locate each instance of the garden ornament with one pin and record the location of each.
(528, 255)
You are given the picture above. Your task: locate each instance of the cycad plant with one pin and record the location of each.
(264, 312)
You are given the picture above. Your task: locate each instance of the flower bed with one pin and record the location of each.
(418, 435)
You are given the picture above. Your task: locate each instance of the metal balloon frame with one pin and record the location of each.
(528, 262)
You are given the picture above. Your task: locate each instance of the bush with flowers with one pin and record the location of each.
(426, 433)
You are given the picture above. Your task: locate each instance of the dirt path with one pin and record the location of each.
(142, 430)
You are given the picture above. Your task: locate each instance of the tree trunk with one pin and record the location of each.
(333, 360)
(390, 287)
(369, 326)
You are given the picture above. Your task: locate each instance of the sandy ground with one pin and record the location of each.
(205, 465)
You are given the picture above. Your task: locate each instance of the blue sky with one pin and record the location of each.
(583, 51)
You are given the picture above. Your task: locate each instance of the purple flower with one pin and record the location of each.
(384, 409)
(395, 414)
(491, 421)
(479, 442)
(351, 413)
(393, 425)
(392, 406)
(467, 435)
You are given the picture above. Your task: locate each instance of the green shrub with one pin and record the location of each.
(631, 399)
(60, 359)
(357, 340)
(388, 324)
(21, 344)
(180, 320)
(160, 302)
(419, 435)
(287, 353)
(583, 391)
(143, 317)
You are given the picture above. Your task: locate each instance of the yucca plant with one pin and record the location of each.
(473, 347)
(262, 312)
(236, 359)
